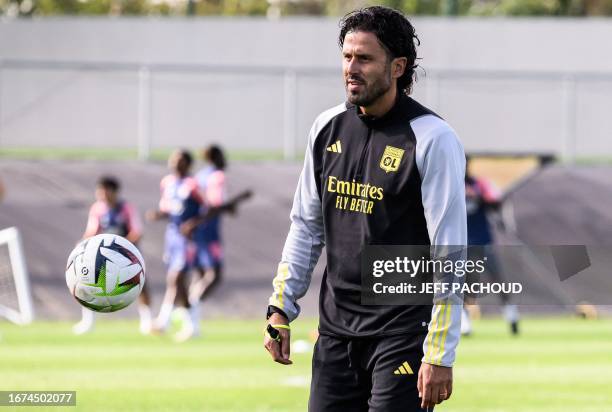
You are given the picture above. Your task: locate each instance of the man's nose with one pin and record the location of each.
(352, 66)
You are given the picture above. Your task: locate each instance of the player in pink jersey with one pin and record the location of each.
(111, 214)
(212, 183)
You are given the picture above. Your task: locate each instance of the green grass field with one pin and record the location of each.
(558, 364)
(161, 154)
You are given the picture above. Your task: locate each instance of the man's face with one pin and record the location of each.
(366, 68)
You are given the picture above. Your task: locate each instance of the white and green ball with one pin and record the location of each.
(105, 273)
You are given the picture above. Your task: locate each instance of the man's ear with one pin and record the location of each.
(398, 67)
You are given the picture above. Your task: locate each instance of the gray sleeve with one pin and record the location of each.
(441, 163)
(305, 240)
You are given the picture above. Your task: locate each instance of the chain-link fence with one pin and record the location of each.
(270, 108)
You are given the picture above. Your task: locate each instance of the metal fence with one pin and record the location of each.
(270, 108)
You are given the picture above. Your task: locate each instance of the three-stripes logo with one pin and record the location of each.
(336, 147)
(404, 369)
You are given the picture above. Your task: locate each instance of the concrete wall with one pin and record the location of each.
(504, 84)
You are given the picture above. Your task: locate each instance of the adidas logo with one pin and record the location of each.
(336, 147)
(404, 369)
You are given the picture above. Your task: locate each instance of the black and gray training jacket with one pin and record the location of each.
(397, 179)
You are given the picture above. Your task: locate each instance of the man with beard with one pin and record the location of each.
(379, 169)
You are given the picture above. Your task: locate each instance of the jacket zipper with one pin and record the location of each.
(363, 153)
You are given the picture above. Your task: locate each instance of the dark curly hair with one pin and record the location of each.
(394, 32)
(109, 183)
(214, 154)
(186, 156)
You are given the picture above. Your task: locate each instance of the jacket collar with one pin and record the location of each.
(390, 116)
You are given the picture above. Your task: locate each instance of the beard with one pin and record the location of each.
(371, 91)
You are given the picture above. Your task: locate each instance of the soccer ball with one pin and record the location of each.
(105, 273)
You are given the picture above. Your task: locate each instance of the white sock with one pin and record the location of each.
(87, 317)
(85, 324)
(466, 324)
(144, 312)
(194, 314)
(163, 319)
(511, 313)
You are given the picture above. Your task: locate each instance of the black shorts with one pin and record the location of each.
(366, 374)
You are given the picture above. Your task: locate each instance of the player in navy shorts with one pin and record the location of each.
(180, 201)
(111, 214)
(212, 183)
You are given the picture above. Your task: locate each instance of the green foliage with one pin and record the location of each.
(598, 7)
(304, 8)
(426, 7)
(133, 7)
(231, 7)
(484, 8)
(93, 7)
(410, 7)
(209, 7)
(341, 7)
(51, 7)
(540, 8)
(334, 8)
(529, 7)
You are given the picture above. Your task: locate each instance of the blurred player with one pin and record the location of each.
(481, 199)
(180, 201)
(183, 205)
(205, 229)
(111, 214)
(211, 180)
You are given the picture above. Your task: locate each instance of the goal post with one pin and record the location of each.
(15, 297)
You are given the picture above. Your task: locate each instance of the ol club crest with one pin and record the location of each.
(391, 159)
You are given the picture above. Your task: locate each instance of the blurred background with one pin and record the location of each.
(92, 87)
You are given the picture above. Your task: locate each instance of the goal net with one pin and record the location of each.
(15, 296)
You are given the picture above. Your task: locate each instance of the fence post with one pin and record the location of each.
(569, 119)
(289, 114)
(144, 113)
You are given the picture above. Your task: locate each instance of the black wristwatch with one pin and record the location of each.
(274, 309)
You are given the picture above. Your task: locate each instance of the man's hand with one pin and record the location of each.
(435, 384)
(152, 215)
(188, 227)
(279, 350)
